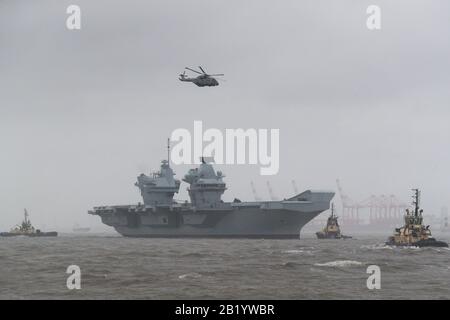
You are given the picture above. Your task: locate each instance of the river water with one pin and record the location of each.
(113, 267)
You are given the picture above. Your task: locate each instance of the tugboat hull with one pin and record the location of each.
(421, 243)
(37, 234)
(321, 235)
(45, 234)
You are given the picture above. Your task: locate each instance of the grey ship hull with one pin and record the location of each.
(35, 234)
(270, 219)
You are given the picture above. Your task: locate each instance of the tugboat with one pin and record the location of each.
(414, 233)
(27, 229)
(332, 229)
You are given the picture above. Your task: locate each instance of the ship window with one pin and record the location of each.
(164, 220)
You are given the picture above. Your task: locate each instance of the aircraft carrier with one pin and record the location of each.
(207, 215)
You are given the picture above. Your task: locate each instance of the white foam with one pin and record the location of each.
(409, 247)
(377, 247)
(339, 263)
(190, 275)
(293, 251)
(298, 252)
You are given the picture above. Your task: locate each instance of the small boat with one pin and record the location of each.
(414, 233)
(332, 229)
(27, 229)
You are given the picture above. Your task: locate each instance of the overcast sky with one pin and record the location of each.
(82, 113)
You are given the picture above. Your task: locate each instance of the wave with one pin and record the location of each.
(297, 251)
(440, 249)
(192, 275)
(339, 263)
(377, 247)
(389, 247)
(408, 247)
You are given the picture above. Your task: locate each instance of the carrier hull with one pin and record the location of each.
(236, 224)
(271, 219)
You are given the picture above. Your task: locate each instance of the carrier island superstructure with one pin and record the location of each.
(207, 215)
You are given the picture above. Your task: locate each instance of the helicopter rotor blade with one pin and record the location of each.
(202, 70)
(216, 75)
(193, 70)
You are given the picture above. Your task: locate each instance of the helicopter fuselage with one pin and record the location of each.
(201, 81)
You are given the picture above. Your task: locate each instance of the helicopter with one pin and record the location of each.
(203, 80)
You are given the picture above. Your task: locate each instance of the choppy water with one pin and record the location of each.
(123, 268)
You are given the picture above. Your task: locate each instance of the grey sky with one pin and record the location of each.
(82, 113)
